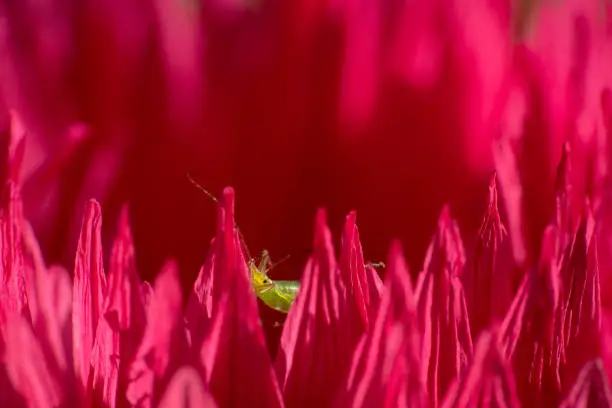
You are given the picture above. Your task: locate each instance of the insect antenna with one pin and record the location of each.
(202, 189)
(275, 264)
(212, 197)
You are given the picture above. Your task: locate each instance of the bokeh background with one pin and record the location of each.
(389, 107)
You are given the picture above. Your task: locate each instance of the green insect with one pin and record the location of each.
(276, 294)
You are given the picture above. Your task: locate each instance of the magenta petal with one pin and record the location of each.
(27, 367)
(582, 318)
(490, 286)
(53, 327)
(352, 268)
(591, 388)
(89, 291)
(105, 359)
(34, 267)
(124, 308)
(199, 310)
(386, 367)
(186, 390)
(12, 153)
(318, 340)
(375, 285)
(12, 271)
(49, 298)
(489, 381)
(563, 199)
(442, 309)
(163, 338)
(234, 356)
(532, 331)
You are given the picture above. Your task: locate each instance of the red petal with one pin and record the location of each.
(532, 331)
(563, 196)
(34, 267)
(124, 308)
(49, 298)
(526, 167)
(582, 319)
(489, 381)
(13, 150)
(27, 366)
(186, 390)
(318, 341)
(386, 368)
(53, 326)
(234, 356)
(442, 309)
(12, 271)
(199, 310)
(105, 359)
(490, 286)
(163, 339)
(375, 285)
(352, 268)
(591, 388)
(89, 291)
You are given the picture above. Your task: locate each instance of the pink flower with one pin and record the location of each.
(398, 109)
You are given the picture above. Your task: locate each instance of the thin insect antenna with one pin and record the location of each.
(244, 245)
(212, 197)
(202, 189)
(275, 264)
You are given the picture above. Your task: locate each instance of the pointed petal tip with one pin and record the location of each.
(489, 380)
(186, 390)
(229, 195)
(591, 389)
(395, 258)
(445, 215)
(322, 233)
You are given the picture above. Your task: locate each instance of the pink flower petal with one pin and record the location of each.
(26, 365)
(105, 360)
(386, 368)
(13, 150)
(489, 381)
(186, 390)
(12, 271)
(53, 326)
(34, 267)
(199, 310)
(525, 166)
(318, 339)
(89, 291)
(442, 309)
(591, 388)
(375, 287)
(490, 286)
(532, 331)
(49, 298)
(163, 343)
(124, 308)
(352, 268)
(582, 319)
(234, 357)
(563, 203)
